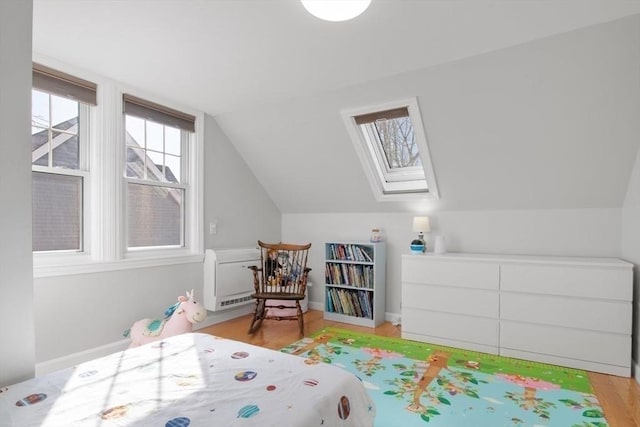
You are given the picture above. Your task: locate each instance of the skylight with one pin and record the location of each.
(393, 150)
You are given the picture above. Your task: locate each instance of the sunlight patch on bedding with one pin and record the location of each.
(128, 385)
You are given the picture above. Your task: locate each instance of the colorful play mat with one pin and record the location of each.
(418, 384)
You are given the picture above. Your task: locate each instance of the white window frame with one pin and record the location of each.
(86, 115)
(105, 214)
(387, 185)
(186, 141)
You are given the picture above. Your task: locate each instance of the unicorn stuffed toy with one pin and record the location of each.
(178, 319)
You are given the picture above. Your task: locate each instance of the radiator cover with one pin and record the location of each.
(228, 282)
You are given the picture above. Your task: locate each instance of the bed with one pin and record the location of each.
(191, 380)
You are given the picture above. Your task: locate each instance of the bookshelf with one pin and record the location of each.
(355, 282)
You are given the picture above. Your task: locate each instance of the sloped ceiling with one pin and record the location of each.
(526, 104)
(549, 124)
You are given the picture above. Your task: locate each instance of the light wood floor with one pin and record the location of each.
(620, 397)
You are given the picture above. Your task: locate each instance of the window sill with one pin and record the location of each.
(64, 265)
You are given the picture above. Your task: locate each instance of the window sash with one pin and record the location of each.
(159, 173)
(386, 174)
(50, 217)
(136, 238)
(83, 134)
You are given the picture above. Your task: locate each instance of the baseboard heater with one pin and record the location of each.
(228, 282)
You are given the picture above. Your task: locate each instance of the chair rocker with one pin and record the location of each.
(282, 276)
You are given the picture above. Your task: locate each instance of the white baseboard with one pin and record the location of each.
(389, 317)
(224, 315)
(74, 359)
(394, 318)
(316, 305)
(51, 365)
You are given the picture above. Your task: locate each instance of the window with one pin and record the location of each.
(117, 183)
(157, 149)
(59, 142)
(393, 150)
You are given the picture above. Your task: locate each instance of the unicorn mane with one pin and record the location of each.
(170, 310)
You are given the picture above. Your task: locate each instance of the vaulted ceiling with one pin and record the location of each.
(526, 104)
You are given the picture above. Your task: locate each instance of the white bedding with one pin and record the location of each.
(191, 380)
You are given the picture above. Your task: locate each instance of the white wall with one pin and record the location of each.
(631, 250)
(16, 286)
(234, 198)
(78, 312)
(81, 312)
(575, 232)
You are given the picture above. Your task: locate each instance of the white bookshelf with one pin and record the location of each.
(355, 282)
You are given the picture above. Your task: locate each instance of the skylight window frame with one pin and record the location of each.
(396, 185)
(374, 144)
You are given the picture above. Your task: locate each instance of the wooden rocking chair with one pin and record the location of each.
(282, 276)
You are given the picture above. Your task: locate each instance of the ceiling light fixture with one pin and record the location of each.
(336, 10)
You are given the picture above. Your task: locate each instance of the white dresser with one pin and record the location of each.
(574, 312)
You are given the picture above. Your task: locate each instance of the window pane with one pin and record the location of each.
(64, 114)
(172, 140)
(155, 216)
(172, 168)
(57, 212)
(155, 162)
(62, 139)
(39, 108)
(40, 147)
(66, 152)
(135, 128)
(398, 142)
(155, 136)
(42, 159)
(135, 163)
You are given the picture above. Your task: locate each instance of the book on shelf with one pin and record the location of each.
(350, 252)
(352, 309)
(364, 255)
(354, 306)
(337, 306)
(359, 276)
(349, 302)
(363, 304)
(342, 307)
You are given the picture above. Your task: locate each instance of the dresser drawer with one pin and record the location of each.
(601, 316)
(449, 326)
(472, 302)
(611, 349)
(468, 274)
(569, 280)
